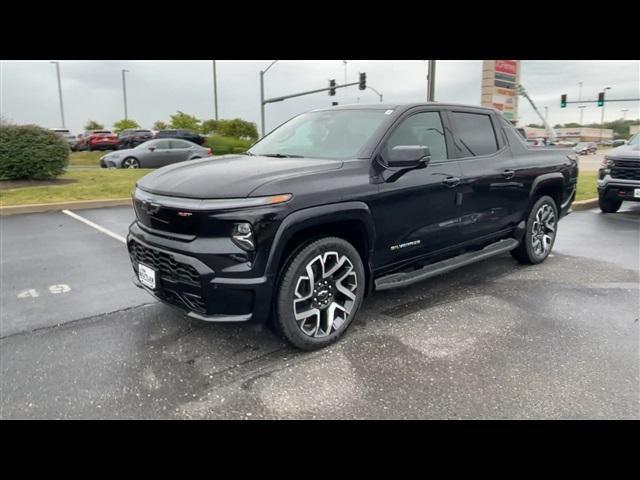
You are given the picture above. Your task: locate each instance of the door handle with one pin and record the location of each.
(451, 181)
(508, 174)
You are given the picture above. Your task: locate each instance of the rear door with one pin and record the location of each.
(492, 188)
(180, 151)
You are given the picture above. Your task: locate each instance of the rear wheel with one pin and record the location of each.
(608, 205)
(540, 233)
(321, 289)
(130, 162)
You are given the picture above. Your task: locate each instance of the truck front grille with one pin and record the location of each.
(167, 267)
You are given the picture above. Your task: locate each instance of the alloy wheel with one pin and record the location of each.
(543, 230)
(325, 295)
(130, 163)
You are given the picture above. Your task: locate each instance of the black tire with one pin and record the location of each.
(130, 162)
(527, 252)
(331, 251)
(608, 205)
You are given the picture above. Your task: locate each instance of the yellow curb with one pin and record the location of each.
(52, 207)
(585, 204)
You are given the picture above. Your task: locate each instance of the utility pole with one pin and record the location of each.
(215, 90)
(345, 70)
(580, 99)
(431, 81)
(124, 92)
(57, 64)
(262, 102)
(546, 114)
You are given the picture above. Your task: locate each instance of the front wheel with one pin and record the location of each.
(608, 205)
(130, 162)
(540, 233)
(321, 289)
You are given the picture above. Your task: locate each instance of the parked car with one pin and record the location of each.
(585, 148)
(619, 176)
(130, 138)
(67, 135)
(154, 153)
(97, 140)
(338, 202)
(183, 134)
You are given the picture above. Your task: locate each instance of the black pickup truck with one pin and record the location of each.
(339, 202)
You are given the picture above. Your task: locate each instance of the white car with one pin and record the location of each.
(67, 135)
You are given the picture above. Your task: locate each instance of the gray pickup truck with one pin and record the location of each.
(619, 176)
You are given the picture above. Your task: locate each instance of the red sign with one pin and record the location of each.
(506, 66)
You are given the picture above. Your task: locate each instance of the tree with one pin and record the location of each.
(184, 120)
(238, 128)
(159, 125)
(93, 125)
(124, 124)
(535, 125)
(209, 126)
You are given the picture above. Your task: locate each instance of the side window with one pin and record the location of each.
(162, 144)
(176, 144)
(421, 129)
(476, 133)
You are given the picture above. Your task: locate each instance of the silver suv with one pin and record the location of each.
(67, 135)
(619, 176)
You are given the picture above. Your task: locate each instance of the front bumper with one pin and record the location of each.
(620, 189)
(185, 282)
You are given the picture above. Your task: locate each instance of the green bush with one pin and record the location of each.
(31, 152)
(225, 145)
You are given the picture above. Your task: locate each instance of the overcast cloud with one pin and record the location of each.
(156, 89)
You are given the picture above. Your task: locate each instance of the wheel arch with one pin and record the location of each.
(351, 221)
(551, 184)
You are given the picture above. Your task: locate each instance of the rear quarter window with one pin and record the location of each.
(476, 133)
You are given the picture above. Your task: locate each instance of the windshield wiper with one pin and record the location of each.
(281, 155)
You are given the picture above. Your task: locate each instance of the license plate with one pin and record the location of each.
(147, 276)
(636, 192)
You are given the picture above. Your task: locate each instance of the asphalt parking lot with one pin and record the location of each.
(494, 340)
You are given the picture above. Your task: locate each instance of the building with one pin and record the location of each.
(633, 129)
(579, 134)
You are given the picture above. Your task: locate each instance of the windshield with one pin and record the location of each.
(635, 140)
(335, 134)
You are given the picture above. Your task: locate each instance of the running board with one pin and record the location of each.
(395, 280)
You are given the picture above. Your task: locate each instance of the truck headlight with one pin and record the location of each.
(242, 236)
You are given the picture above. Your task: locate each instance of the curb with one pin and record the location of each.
(585, 204)
(53, 207)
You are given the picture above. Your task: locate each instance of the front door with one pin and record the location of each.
(416, 211)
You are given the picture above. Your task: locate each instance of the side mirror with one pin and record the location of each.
(409, 156)
(151, 149)
(618, 143)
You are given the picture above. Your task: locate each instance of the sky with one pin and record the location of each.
(156, 89)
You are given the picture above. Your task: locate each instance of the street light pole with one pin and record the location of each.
(546, 114)
(431, 81)
(345, 70)
(262, 72)
(57, 64)
(215, 90)
(624, 113)
(124, 92)
(581, 107)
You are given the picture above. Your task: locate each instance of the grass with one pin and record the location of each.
(89, 185)
(587, 186)
(85, 159)
(110, 183)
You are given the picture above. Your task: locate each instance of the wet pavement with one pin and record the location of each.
(493, 340)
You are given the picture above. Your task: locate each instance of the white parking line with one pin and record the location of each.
(95, 225)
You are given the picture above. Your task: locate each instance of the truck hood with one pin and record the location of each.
(228, 176)
(625, 151)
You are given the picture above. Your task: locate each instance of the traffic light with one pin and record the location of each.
(334, 104)
(563, 101)
(601, 99)
(363, 81)
(332, 87)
